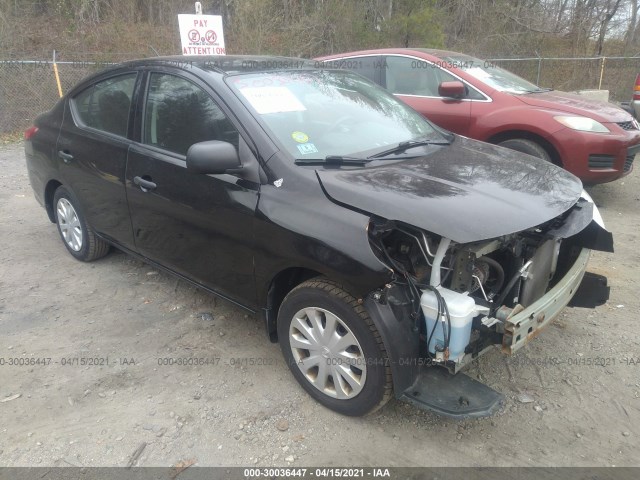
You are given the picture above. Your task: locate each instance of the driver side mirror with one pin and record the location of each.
(454, 89)
(214, 157)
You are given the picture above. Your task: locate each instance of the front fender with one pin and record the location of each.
(526, 119)
(316, 235)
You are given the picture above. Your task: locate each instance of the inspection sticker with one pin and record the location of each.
(307, 148)
(272, 99)
(300, 137)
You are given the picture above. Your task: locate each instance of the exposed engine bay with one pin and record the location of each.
(460, 296)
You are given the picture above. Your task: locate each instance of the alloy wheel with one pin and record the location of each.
(327, 353)
(69, 224)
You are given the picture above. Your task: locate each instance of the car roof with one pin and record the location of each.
(226, 64)
(428, 51)
(218, 65)
(442, 53)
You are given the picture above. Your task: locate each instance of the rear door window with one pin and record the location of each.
(105, 105)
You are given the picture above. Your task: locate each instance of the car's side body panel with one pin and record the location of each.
(314, 235)
(94, 167)
(451, 114)
(40, 152)
(200, 226)
(96, 176)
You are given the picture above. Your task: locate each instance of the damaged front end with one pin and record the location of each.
(462, 299)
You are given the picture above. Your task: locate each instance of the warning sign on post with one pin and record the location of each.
(201, 34)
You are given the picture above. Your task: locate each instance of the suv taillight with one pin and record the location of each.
(31, 131)
(636, 88)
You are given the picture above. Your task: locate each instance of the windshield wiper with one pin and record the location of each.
(403, 146)
(333, 160)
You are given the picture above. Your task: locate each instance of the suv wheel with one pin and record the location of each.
(333, 348)
(526, 146)
(80, 240)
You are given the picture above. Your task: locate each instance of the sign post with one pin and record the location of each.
(201, 34)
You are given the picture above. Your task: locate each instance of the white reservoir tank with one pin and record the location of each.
(462, 310)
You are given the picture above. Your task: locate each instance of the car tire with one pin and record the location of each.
(342, 338)
(79, 239)
(526, 146)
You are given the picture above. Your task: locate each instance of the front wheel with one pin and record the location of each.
(77, 236)
(526, 146)
(333, 348)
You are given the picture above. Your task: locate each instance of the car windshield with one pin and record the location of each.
(315, 114)
(494, 76)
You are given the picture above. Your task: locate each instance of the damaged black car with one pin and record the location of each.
(383, 253)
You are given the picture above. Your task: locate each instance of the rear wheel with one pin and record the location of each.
(526, 146)
(333, 348)
(77, 236)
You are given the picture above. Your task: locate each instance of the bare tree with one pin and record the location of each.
(632, 26)
(610, 8)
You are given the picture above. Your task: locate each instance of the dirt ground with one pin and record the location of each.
(572, 396)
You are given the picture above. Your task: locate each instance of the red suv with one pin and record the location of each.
(596, 141)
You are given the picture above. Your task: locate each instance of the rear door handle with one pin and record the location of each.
(145, 185)
(65, 156)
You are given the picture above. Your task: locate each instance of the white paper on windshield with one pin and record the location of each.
(272, 99)
(478, 72)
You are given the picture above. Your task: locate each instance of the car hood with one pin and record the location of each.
(576, 104)
(467, 191)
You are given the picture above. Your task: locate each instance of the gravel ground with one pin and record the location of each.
(244, 407)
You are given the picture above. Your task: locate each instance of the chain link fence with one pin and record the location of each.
(616, 74)
(28, 87)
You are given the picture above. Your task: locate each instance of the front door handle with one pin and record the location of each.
(145, 185)
(65, 156)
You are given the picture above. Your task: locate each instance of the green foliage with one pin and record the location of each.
(317, 27)
(415, 23)
(304, 28)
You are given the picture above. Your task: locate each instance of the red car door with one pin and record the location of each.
(415, 82)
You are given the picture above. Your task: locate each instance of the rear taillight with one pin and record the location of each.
(636, 88)
(30, 132)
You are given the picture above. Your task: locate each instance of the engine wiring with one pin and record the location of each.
(404, 250)
(415, 289)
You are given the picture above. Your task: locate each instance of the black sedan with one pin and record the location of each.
(383, 253)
